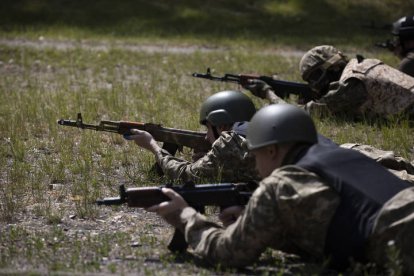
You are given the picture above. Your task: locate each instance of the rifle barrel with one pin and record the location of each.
(281, 88)
(80, 124)
(187, 138)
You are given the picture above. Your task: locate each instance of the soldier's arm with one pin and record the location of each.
(182, 170)
(283, 203)
(407, 65)
(215, 165)
(273, 98)
(242, 242)
(345, 98)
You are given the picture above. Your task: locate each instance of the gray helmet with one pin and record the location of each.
(404, 27)
(280, 123)
(226, 107)
(315, 63)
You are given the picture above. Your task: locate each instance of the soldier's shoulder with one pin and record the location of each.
(407, 64)
(356, 66)
(292, 179)
(286, 174)
(228, 138)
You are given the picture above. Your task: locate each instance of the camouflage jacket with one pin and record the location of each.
(289, 199)
(393, 234)
(227, 161)
(371, 88)
(407, 64)
(292, 198)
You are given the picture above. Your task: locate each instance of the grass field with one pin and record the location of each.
(133, 61)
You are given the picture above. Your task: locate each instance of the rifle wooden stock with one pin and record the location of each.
(281, 88)
(181, 138)
(223, 194)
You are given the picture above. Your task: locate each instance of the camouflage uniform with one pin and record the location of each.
(227, 161)
(407, 64)
(291, 211)
(370, 88)
(394, 228)
(399, 166)
(289, 199)
(332, 212)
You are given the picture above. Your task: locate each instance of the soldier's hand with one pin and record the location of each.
(230, 214)
(170, 210)
(257, 87)
(197, 155)
(318, 109)
(143, 139)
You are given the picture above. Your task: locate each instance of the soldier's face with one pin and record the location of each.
(210, 137)
(267, 160)
(318, 80)
(398, 49)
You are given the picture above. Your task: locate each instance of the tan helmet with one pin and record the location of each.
(315, 63)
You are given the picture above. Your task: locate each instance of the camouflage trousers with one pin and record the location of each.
(393, 233)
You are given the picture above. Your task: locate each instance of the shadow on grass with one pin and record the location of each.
(288, 265)
(295, 20)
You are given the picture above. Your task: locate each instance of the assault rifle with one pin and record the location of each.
(222, 194)
(197, 196)
(172, 138)
(282, 89)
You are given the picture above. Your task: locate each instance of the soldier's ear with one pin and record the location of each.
(272, 151)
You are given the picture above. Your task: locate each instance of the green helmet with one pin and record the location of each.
(280, 123)
(315, 63)
(226, 107)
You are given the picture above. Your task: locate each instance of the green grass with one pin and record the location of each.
(51, 174)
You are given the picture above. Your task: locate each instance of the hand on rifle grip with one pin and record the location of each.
(257, 87)
(170, 210)
(143, 139)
